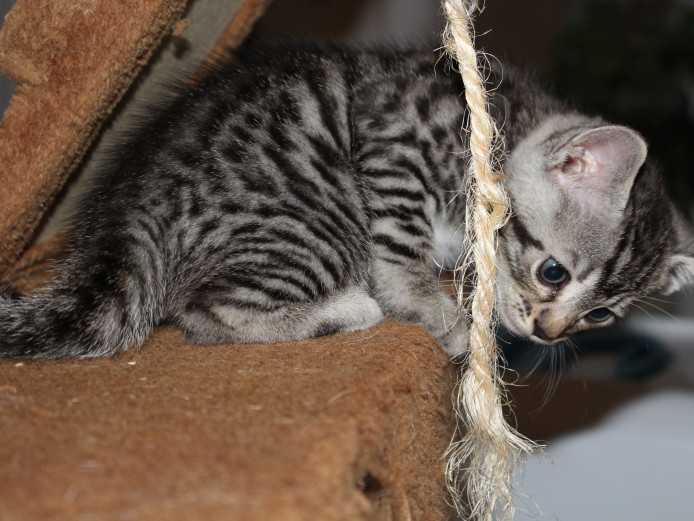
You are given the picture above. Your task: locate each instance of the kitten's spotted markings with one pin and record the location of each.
(298, 194)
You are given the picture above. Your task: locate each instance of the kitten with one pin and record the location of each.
(297, 194)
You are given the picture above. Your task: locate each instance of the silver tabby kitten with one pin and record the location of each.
(297, 194)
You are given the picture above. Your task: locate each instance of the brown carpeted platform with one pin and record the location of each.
(350, 427)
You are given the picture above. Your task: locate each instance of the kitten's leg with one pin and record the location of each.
(411, 292)
(347, 310)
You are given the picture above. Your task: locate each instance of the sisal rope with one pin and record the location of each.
(483, 458)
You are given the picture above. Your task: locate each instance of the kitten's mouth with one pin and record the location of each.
(541, 336)
(548, 341)
(535, 335)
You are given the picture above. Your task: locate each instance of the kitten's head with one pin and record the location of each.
(592, 230)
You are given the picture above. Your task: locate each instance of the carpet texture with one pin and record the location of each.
(72, 61)
(350, 427)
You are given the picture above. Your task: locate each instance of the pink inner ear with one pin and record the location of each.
(598, 167)
(579, 174)
(579, 162)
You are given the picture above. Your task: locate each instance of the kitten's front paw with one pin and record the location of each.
(454, 342)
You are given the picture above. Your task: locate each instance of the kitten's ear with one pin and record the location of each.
(682, 262)
(599, 165)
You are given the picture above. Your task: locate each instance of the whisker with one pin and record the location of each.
(642, 309)
(657, 299)
(558, 357)
(642, 301)
(541, 354)
(659, 309)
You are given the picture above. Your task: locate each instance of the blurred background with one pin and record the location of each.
(616, 408)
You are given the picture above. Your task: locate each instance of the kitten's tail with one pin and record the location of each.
(97, 313)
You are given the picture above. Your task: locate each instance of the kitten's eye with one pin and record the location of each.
(552, 272)
(599, 315)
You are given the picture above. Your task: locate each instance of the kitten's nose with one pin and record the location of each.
(543, 334)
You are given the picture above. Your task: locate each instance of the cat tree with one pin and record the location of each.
(349, 427)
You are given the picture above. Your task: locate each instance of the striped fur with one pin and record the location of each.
(296, 194)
